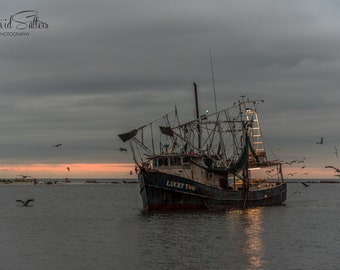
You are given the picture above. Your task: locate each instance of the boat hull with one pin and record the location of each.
(161, 191)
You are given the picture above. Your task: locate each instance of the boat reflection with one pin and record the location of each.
(250, 221)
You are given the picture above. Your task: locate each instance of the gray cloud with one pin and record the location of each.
(103, 68)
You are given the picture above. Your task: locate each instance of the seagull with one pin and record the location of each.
(321, 141)
(24, 176)
(122, 149)
(336, 151)
(301, 161)
(58, 145)
(291, 162)
(25, 203)
(332, 167)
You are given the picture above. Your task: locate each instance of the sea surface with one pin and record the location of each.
(103, 226)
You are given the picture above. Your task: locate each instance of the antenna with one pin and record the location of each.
(213, 79)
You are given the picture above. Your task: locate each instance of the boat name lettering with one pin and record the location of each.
(180, 185)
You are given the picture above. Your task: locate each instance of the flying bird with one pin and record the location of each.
(58, 145)
(302, 160)
(290, 162)
(122, 149)
(332, 167)
(321, 141)
(26, 203)
(24, 176)
(336, 151)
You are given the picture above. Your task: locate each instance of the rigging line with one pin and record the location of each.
(270, 149)
(212, 133)
(133, 152)
(156, 119)
(167, 122)
(232, 127)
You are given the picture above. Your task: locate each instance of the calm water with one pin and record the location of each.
(103, 227)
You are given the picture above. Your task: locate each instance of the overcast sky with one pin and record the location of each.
(105, 67)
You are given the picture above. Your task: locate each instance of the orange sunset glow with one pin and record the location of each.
(77, 170)
(106, 170)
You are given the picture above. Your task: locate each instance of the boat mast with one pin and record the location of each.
(198, 118)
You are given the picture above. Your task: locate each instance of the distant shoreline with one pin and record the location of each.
(108, 181)
(78, 181)
(298, 181)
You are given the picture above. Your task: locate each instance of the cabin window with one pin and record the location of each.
(163, 162)
(185, 160)
(210, 175)
(175, 161)
(186, 163)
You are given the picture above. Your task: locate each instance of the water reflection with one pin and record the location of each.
(252, 227)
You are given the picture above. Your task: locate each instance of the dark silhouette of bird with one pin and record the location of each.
(24, 176)
(303, 183)
(336, 151)
(290, 162)
(295, 161)
(321, 141)
(332, 167)
(302, 160)
(58, 145)
(122, 149)
(26, 203)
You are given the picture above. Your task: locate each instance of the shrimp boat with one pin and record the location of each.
(216, 161)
